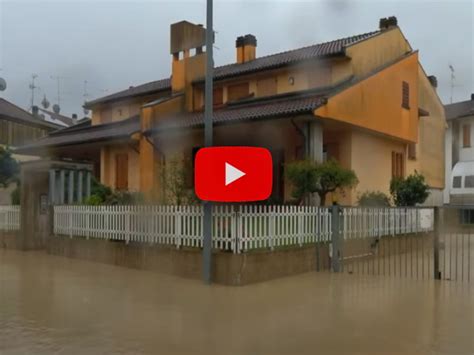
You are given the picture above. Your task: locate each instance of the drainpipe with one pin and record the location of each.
(304, 133)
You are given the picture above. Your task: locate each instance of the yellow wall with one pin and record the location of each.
(430, 147)
(150, 156)
(371, 159)
(122, 109)
(375, 103)
(108, 177)
(368, 55)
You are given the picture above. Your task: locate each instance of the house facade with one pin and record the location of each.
(460, 153)
(363, 100)
(18, 127)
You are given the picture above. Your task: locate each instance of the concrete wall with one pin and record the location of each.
(227, 268)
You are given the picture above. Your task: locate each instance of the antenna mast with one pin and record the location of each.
(33, 87)
(453, 78)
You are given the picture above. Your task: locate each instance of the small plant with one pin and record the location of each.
(374, 199)
(176, 177)
(310, 177)
(409, 191)
(93, 200)
(9, 167)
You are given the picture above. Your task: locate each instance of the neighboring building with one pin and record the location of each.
(19, 127)
(54, 117)
(460, 153)
(364, 100)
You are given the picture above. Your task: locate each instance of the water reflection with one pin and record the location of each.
(55, 305)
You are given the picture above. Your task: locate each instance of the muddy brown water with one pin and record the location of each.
(55, 305)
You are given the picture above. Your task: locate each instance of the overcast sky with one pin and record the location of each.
(115, 44)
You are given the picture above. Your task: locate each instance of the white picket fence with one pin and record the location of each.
(9, 218)
(360, 222)
(234, 228)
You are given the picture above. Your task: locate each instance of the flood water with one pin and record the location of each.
(55, 305)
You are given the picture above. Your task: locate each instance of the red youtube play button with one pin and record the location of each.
(233, 174)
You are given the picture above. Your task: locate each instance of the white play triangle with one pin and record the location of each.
(232, 174)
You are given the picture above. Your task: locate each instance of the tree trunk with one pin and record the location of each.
(322, 199)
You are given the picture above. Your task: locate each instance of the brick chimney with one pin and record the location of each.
(387, 23)
(246, 48)
(433, 80)
(35, 111)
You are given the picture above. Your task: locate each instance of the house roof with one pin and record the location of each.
(68, 121)
(133, 91)
(85, 134)
(300, 102)
(12, 112)
(326, 49)
(459, 109)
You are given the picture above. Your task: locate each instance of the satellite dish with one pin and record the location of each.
(3, 84)
(45, 103)
(86, 111)
(56, 108)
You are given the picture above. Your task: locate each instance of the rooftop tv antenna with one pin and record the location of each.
(45, 103)
(33, 87)
(453, 81)
(58, 82)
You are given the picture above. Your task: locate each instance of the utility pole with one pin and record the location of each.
(207, 205)
(33, 87)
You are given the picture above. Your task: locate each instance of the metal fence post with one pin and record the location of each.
(438, 224)
(336, 238)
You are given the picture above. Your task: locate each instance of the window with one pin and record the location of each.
(405, 95)
(466, 136)
(412, 151)
(398, 165)
(267, 87)
(466, 216)
(457, 182)
(121, 171)
(218, 96)
(237, 91)
(469, 181)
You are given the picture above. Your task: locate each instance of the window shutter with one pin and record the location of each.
(466, 136)
(412, 151)
(405, 95)
(237, 91)
(121, 171)
(218, 96)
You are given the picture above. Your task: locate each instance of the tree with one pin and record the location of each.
(374, 199)
(9, 168)
(177, 185)
(409, 191)
(309, 177)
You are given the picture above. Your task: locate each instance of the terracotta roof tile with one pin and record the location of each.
(459, 109)
(86, 134)
(331, 48)
(287, 105)
(13, 112)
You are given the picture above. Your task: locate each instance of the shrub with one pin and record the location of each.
(310, 177)
(409, 191)
(374, 199)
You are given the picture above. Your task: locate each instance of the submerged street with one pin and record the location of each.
(55, 305)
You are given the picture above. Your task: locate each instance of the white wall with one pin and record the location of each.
(466, 154)
(448, 153)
